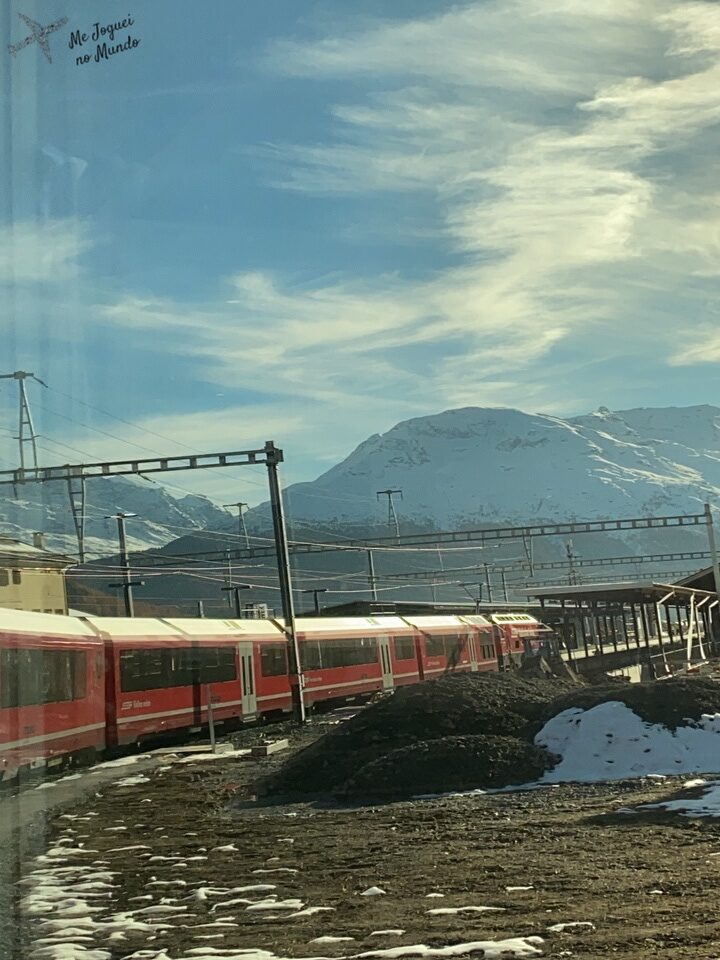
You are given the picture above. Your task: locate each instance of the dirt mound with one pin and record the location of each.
(671, 703)
(450, 763)
(453, 707)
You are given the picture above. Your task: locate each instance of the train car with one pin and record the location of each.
(52, 695)
(159, 673)
(350, 656)
(517, 635)
(483, 648)
(446, 644)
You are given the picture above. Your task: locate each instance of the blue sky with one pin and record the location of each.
(307, 221)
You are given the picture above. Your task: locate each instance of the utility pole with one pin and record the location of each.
(228, 579)
(126, 584)
(200, 609)
(315, 592)
(242, 529)
(504, 585)
(392, 516)
(234, 591)
(487, 582)
(371, 576)
(274, 456)
(26, 430)
(528, 548)
(572, 576)
(477, 598)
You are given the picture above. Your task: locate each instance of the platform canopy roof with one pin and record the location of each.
(635, 591)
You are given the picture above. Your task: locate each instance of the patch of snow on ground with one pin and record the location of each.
(121, 762)
(205, 757)
(610, 742)
(708, 805)
(331, 939)
(446, 911)
(373, 892)
(132, 781)
(571, 925)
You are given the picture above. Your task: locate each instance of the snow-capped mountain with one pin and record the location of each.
(479, 466)
(471, 468)
(160, 518)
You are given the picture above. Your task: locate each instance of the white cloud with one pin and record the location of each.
(42, 251)
(561, 143)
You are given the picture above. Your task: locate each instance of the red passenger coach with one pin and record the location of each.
(52, 697)
(350, 656)
(159, 673)
(483, 649)
(445, 645)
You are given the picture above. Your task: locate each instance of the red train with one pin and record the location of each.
(72, 687)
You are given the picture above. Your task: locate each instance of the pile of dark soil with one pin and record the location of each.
(449, 763)
(672, 703)
(467, 731)
(452, 709)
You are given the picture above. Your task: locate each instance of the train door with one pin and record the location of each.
(247, 680)
(473, 651)
(386, 663)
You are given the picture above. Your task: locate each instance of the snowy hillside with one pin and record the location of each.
(497, 466)
(161, 517)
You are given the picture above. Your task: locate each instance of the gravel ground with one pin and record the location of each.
(647, 883)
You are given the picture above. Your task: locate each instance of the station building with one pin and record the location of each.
(31, 577)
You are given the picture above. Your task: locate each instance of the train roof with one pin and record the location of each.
(190, 626)
(350, 626)
(476, 620)
(43, 624)
(518, 618)
(446, 623)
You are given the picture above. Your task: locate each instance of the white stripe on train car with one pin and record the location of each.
(176, 713)
(42, 737)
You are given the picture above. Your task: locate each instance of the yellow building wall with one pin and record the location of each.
(42, 590)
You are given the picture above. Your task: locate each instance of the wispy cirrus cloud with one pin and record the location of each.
(42, 251)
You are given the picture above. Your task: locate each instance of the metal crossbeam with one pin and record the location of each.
(549, 565)
(297, 547)
(118, 468)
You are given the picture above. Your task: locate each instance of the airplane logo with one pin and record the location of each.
(39, 33)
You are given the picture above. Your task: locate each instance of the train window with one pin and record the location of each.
(435, 646)
(30, 677)
(175, 667)
(310, 655)
(455, 647)
(349, 653)
(217, 664)
(4, 578)
(141, 670)
(273, 660)
(17, 578)
(404, 648)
